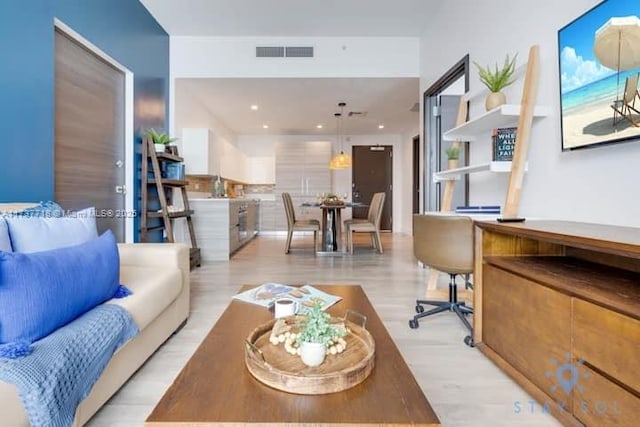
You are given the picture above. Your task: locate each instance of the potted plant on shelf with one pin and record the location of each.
(160, 140)
(496, 80)
(453, 154)
(316, 333)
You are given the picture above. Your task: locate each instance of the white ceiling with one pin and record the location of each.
(297, 105)
(287, 18)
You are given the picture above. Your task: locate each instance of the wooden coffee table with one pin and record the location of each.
(215, 388)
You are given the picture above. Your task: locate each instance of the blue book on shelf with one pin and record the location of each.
(487, 209)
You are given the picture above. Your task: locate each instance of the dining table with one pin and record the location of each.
(331, 225)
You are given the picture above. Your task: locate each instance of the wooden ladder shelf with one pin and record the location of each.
(151, 165)
(523, 137)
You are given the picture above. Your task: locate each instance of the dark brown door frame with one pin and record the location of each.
(377, 177)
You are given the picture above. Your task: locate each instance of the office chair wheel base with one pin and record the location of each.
(419, 308)
(468, 340)
(413, 324)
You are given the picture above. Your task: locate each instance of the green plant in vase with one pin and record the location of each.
(453, 153)
(316, 334)
(160, 139)
(496, 80)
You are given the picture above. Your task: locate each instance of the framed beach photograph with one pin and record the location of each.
(599, 56)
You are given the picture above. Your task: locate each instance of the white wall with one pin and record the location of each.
(333, 57)
(592, 185)
(189, 112)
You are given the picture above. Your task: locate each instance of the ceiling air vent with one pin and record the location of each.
(299, 51)
(270, 51)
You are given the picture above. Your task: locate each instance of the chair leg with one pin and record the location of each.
(452, 304)
(351, 241)
(379, 241)
(315, 241)
(288, 245)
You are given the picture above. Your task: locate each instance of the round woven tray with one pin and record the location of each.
(273, 366)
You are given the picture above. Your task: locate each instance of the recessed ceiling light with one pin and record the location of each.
(380, 126)
(319, 126)
(265, 126)
(254, 107)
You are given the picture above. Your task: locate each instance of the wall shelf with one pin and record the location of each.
(504, 116)
(455, 174)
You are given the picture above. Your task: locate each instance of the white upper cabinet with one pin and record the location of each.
(261, 170)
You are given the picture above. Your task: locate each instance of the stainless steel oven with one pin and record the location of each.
(242, 222)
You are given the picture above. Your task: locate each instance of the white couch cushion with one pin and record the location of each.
(154, 289)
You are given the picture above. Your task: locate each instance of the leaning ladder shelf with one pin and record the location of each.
(523, 115)
(151, 164)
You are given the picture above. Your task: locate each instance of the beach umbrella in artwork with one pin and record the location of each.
(617, 44)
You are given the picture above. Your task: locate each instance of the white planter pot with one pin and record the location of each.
(494, 100)
(159, 148)
(312, 354)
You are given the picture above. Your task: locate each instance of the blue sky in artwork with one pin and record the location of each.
(578, 64)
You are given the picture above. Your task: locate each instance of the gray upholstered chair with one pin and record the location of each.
(444, 242)
(371, 225)
(294, 224)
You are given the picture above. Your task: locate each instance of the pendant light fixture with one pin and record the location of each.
(340, 160)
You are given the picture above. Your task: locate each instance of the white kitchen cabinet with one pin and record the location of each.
(302, 169)
(201, 154)
(261, 170)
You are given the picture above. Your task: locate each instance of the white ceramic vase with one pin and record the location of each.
(495, 99)
(159, 148)
(312, 353)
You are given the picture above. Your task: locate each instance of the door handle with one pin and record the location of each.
(121, 189)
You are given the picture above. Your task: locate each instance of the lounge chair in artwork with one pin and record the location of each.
(625, 107)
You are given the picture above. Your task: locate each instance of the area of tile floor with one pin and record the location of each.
(463, 386)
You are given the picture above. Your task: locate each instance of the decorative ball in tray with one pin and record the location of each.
(272, 356)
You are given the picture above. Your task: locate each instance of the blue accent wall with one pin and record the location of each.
(123, 29)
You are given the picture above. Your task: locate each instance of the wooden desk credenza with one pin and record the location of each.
(557, 307)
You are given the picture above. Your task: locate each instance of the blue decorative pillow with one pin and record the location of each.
(42, 232)
(43, 291)
(5, 241)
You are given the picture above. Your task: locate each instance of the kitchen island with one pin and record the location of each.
(224, 225)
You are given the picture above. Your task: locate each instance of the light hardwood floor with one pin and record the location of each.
(464, 387)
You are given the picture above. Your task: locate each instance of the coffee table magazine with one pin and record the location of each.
(265, 295)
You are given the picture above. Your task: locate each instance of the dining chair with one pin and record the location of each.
(371, 225)
(445, 243)
(294, 224)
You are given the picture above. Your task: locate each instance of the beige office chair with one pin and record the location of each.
(370, 225)
(444, 242)
(298, 225)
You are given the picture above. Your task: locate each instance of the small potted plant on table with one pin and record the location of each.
(496, 80)
(316, 333)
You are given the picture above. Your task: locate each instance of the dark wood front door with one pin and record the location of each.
(89, 134)
(373, 173)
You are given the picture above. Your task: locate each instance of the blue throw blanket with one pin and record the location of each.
(64, 365)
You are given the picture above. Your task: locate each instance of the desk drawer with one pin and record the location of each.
(599, 402)
(607, 340)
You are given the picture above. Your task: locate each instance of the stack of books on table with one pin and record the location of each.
(487, 209)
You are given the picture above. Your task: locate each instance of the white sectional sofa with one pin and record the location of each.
(158, 275)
